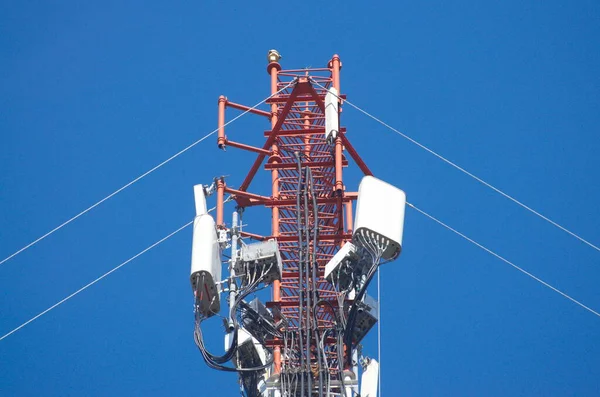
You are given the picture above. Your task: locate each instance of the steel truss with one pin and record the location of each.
(311, 215)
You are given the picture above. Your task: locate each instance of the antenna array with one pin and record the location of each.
(306, 340)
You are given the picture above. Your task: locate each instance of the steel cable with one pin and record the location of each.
(464, 171)
(119, 190)
(489, 251)
(95, 281)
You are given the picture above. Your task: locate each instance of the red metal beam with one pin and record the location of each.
(248, 109)
(301, 98)
(320, 130)
(293, 303)
(302, 87)
(321, 237)
(270, 202)
(297, 118)
(279, 342)
(247, 147)
(316, 98)
(245, 199)
(359, 161)
(296, 274)
(280, 119)
(253, 236)
(311, 164)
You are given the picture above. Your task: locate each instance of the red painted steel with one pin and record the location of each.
(297, 125)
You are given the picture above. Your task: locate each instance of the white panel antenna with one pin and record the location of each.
(379, 216)
(332, 115)
(206, 265)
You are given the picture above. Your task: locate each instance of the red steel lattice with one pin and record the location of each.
(298, 126)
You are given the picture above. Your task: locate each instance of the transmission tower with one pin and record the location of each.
(305, 341)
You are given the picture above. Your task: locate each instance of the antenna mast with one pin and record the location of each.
(305, 340)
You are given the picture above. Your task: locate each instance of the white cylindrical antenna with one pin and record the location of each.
(206, 265)
(332, 115)
(200, 199)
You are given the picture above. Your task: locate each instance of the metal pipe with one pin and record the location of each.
(247, 147)
(339, 185)
(349, 221)
(273, 69)
(335, 66)
(248, 109)
(307, 145)
(221, 122)
(220, 199)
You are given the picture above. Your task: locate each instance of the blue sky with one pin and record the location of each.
(94, 94)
